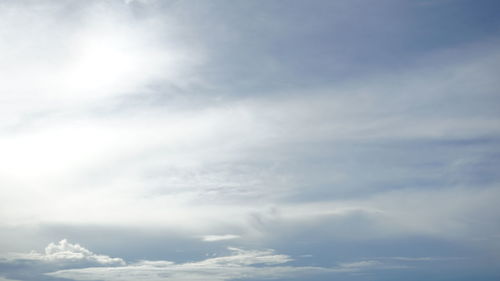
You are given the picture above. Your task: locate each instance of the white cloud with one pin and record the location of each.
(57, 60)
(423, 259)
(214, 238)
(359, 264)
(72, 261)
(263, 264)
(64, 252)
(195, 167)
(248, 257)
(251, 264)
(152, 115)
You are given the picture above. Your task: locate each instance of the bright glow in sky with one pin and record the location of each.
(249, 140)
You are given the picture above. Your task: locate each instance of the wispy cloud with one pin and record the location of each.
(77, 263)
(214, 238)
(316, 128)
(82, 264)
(264, 264)
(6, 279)
(419, 259)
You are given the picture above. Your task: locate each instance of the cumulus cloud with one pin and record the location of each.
(65, 252)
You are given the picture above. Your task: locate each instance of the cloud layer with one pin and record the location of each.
(81, 264)
(334, 132)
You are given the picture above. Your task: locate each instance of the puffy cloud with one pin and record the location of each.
(64, 252)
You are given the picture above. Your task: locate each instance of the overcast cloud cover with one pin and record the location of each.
(249, 140)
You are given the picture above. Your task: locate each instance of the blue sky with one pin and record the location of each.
(249, 140)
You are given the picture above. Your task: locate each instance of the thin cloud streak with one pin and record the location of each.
(214, 238)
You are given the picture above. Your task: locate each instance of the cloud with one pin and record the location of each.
(6, 279)
(76, 57)
(165, 165)
(63, 253)
(359, 264)
(214, 238)
(240, 264)
(72, 261)
(172, 117)
(248, 257)
(368, 265)
(251, 264)
(418, 259)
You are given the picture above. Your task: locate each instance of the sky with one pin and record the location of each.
(249, 140)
